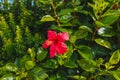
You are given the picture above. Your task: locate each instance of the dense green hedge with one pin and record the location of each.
(93, 48)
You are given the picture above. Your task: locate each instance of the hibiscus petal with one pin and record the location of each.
(52, 50)
(52, 35)
(47, 43)
(63, 36)
(61, 48)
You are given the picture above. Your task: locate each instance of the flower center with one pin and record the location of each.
(56, 41)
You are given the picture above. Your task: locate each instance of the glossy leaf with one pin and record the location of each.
(47, 18)
(70, 64)
(8, 76)
(38, 73)
(77, 77)
(59, 4)
(46, 1)
(69, 52)
(24, 59)
(111, 12)
(85, 52)
(99, 62)
(103, 43)
(116, 74)
(66, 24)
(108, 66)
(102, 25)
(10, 67)
(20, 77)
(61, 29)
(32, 53)
(65, 18)
(29, 65)
(86, 28)
(73, 39)
(98, 23)
(41, 54)
(106, 32)
(50, 63)
(109, 20)
(65, 12)
(78, 8)
(115, 58)
(77, 2)
(81, 34)
(86, 65)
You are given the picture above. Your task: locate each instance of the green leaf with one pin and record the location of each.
(86, 13)
(73, 39)
(77, 77)
(85, 52)
(50, 63)
(86, 65)
(38, 73)
(53, 27)
(99, 62)
(53, 77)
(41, 54)
(85, 28)
(2, 70)
(65, 11)
(66, 24)
(10, 67)
(69, 52)
(103, 43)
(78, 8)
(61, 75)
(24, 59)
(115, 58)
(59, 4)
(46, 1)
(116, 74)
(29, 65)
(65, 18)
(108, 66)
(100, 24)
(111, 12)
(80, 34)
(106, 32)
(70, 64)
(77, 2)
(47, 18)
(32, 53)
(20, 77)
(109, 20)
(8, 76)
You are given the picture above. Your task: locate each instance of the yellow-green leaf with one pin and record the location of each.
(115, 58)
(103, 43)
(29, 65)
(47, 18)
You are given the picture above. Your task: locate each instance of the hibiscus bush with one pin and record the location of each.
(59, 40)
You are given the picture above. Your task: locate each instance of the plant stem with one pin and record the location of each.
(94, 33)
(74, 8)
(55, 13)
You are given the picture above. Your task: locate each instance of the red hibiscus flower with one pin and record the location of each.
(56, 42)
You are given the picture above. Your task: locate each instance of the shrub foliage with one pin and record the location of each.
(93, 50)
